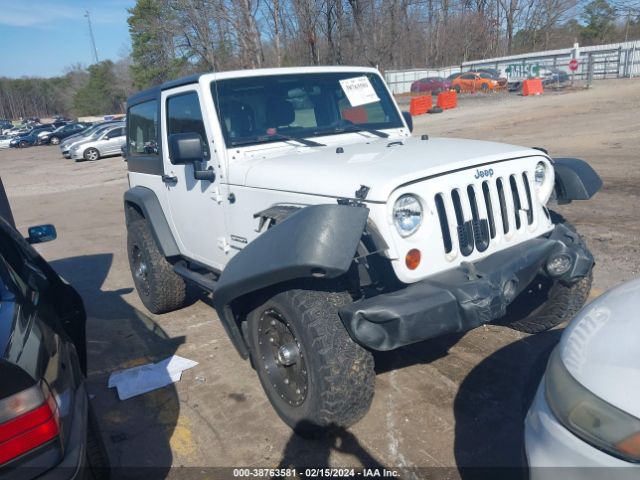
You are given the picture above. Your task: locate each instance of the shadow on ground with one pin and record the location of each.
(137, 431)
(304, 452)
(492, 402)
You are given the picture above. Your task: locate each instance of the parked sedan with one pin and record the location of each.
(434, 85)
(68, 142)
(5, 140)
(63, 132)
(473, 82)
(24, 140)
(45, 420)
(103, 144)
(552, 76)
(586, 412)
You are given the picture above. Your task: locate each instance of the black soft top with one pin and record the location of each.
(154, 92)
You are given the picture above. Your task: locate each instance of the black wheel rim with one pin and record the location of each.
(140, 271)
(282, 357)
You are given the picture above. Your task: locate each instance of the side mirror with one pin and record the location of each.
(187, 148)
(408, 119)
(41, 234)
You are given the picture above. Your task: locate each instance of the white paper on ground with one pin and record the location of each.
(146, 378)
(359, 91)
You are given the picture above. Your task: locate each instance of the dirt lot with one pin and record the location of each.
(451, 402)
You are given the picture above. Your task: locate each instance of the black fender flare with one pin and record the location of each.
(575, 180)
(318, 241)
(147, 202)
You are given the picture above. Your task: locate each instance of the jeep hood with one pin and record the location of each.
(380, 164)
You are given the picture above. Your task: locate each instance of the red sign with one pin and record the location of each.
(573, 65)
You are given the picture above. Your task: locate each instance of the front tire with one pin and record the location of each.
(54, 141)
(547, 303)
(159, 287)
(315, 376)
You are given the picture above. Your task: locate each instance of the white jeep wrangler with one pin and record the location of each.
(324, 231)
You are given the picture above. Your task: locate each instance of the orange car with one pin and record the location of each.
(474, 81)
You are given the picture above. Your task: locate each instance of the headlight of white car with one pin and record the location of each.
(544, 179)
(592, 419)
(407, 214)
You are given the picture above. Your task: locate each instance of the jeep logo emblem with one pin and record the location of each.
(484, 173)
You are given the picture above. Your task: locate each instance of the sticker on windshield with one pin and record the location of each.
(359, 91)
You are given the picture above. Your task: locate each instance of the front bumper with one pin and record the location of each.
(462, 298)
(554, 453)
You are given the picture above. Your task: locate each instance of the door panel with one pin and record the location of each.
(197, 211)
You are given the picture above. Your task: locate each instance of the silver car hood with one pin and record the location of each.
(600, 347)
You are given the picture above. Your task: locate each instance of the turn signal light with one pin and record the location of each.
(412, 260)
(630, 446)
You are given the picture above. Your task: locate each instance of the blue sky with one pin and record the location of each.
(41, 38)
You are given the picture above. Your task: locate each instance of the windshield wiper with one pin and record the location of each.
(359, 128)
(303, 141)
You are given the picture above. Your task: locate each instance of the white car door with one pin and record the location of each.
(196, 207)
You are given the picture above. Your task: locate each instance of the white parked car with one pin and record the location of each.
(325, 230)
(586, 412)
(5, 141)
(103, 143)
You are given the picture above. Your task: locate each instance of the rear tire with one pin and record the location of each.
(54, 141)
(159, 287)
(547, 303)
(330, 383)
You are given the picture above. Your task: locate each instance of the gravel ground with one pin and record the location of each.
(452, 402)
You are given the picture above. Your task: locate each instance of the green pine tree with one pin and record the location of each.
(152, 54)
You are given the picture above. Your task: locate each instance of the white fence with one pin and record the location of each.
(399, 81)
(596, 62)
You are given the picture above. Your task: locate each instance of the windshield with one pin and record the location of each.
(261, 109)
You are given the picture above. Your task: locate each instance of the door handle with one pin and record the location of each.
(169, 179)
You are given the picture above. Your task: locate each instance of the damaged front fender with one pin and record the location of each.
(319, 241)
(575, 180)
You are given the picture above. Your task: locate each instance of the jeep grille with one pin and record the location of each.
(472, 217)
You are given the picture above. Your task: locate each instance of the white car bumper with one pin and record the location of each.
(554, 453)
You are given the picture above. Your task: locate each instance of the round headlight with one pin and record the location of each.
(407, 215)
(540, 174)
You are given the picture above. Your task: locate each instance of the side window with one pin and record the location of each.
(142, 123)
(116, 132)
(185, 116)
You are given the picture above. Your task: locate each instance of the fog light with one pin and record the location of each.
(509, 289)
(412, 259)
(559, 264)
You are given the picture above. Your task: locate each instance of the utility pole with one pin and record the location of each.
(93, 40)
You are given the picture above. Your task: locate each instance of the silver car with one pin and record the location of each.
(89, 134)
(104, 143)
(586, 412)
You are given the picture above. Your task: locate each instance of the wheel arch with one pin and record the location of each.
(315, 244)
(575, 180)
(142, 202)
